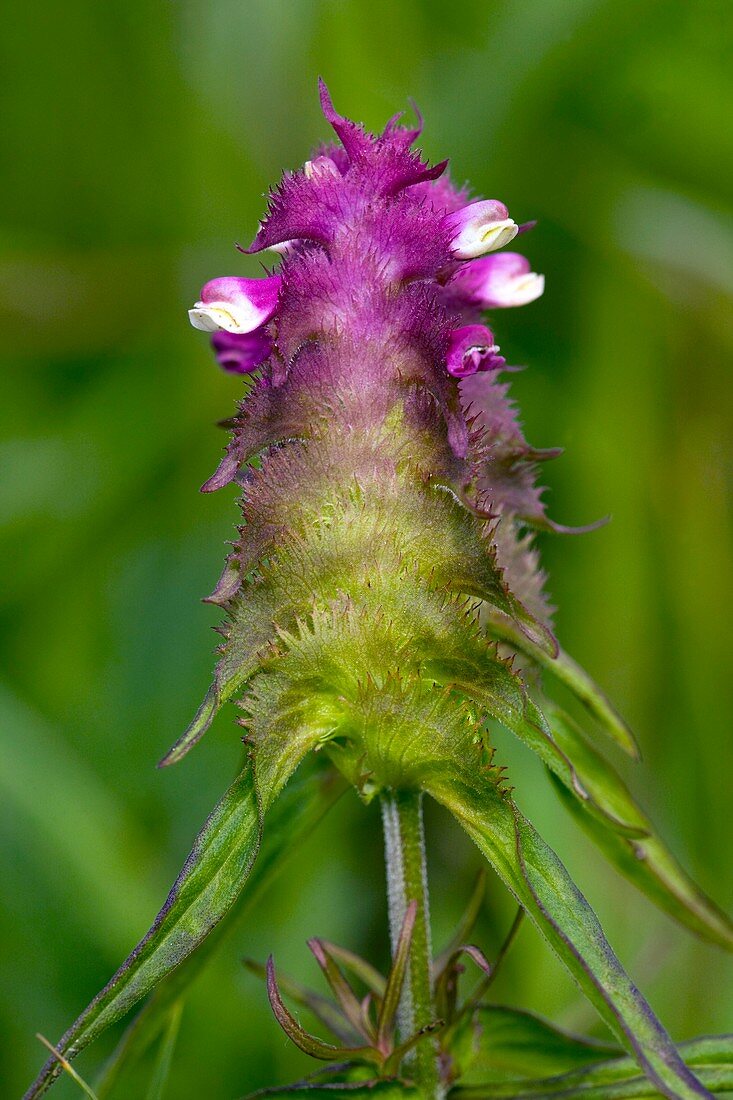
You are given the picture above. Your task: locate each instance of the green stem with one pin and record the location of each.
(404, 843)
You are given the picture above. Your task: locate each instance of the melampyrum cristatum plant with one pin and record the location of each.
(384, 604)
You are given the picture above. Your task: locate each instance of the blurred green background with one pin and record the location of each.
(138, 140)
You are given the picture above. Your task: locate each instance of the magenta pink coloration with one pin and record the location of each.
(497, 281)
(241, 353)
(371, 294)
(480, 227)
(236, 304)
(472, 349)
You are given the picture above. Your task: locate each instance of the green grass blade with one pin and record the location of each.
(69, 1069)
(164, 1062)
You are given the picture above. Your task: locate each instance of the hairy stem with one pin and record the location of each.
(404, 843)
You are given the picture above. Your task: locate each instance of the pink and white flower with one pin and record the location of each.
(479, 228)
(235, 304)
(499, 281)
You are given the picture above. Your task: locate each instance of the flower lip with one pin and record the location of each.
(499, 281)
(471, 349)
(479, 228)
(235, 304)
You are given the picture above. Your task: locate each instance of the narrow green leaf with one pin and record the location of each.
(295, 814)
(248, 632)
(195, 731)
(208, 885)
(492, 684)
(209, 882)
(652, 868)
(540, 883)
(613, 1079)
(602, 781)
(569, 673)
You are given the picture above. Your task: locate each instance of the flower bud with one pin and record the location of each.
(236, 305)
(499, 281)
(480, 227)
(320, 166)
(241, 353)
(472, 349)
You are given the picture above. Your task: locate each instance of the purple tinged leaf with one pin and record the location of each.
(340, 1090)
(465, 925)
(485, 984)
(352, 136)
(392, 1064)
(359, 967)
(322, 1008)
(309, 1044)
(446, 985)
(350, 1004)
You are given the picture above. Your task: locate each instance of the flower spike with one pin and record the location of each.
(479, 228)
(236, 305)
(385, 605)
